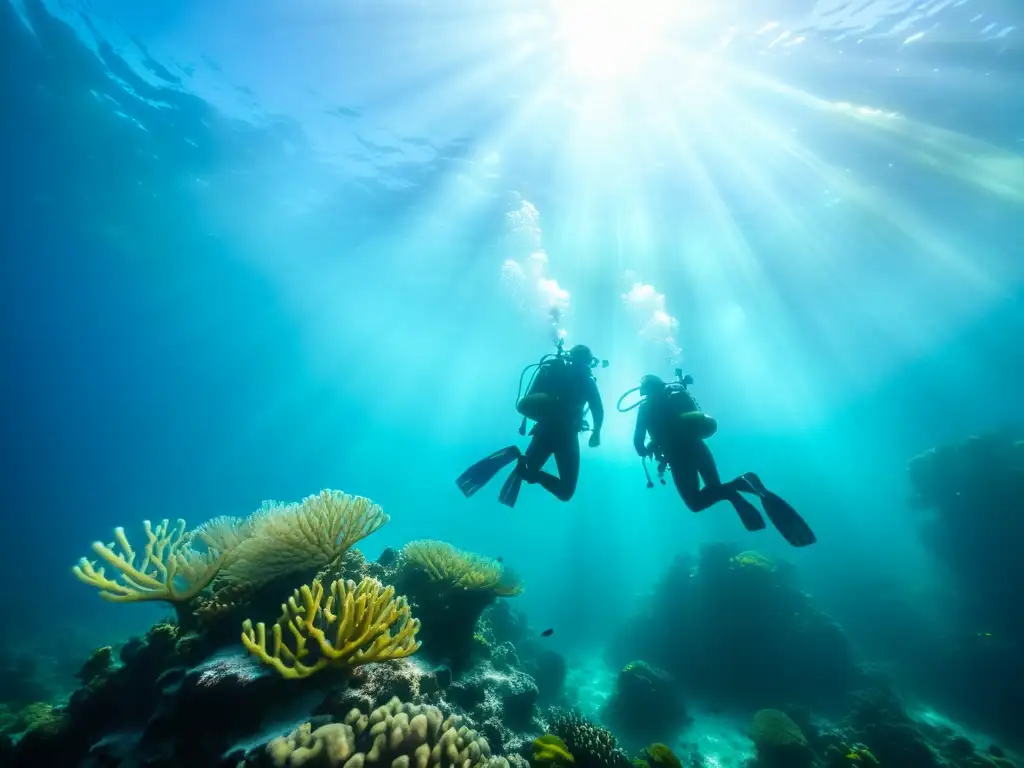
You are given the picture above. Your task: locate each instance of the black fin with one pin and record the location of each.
(510, 490)
(787, 521)
(749, 515)
(481, 473)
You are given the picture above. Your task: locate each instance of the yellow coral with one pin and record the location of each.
(661, 756)
(360, 632)
(283, 538)
(859, 753)
(169, 570)
(752, 559)
(461, 570)
(551, 749)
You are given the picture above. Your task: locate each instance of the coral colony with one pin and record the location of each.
(288, 648)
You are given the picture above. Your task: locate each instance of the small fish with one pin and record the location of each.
(547, 633)
(501, 559)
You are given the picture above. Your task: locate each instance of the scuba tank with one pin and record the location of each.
(680, 418)
(548, 387)
(685, 420)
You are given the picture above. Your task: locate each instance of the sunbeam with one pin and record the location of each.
(610, 39)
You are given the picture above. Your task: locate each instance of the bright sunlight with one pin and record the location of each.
(605, 39)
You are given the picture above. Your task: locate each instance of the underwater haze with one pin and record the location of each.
(253, 250)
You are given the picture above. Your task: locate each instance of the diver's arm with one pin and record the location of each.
(596, 406)
(640, 431)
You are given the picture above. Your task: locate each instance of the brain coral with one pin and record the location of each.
(396, 735)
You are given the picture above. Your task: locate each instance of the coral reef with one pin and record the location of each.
(370, 686)
(330, 677)
(760, 638)
(120, 696)
(970, 514)
(645, 706)
(25, 677)
(780, 742)
(505, 624)
(488, 693)
(548, 669)
(877, 730)
(333, 681)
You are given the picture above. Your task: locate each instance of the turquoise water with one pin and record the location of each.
(252, 250)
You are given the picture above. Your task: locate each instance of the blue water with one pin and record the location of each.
(252, 250)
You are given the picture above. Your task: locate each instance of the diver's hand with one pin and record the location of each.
(595, 439)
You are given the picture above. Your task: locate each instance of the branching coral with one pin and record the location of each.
(283, 538)
(360, 631)
(170, 569)
(396, 735)
(461, 570)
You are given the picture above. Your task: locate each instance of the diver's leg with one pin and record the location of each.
(527, 467)
(481, 473)
(715, 490)
(786, 519)
(567, 459)
(687, 482)
(694, 463)
(540, 449)
(704, 460)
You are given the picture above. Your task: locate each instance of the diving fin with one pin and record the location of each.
(748, 513)
(510, 490)
(786, 520)
(481, 473)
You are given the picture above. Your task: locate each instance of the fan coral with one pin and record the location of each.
(450, 590)
(359, 633)
(396, 735)
(462, 570)
(169, 570)
(284, 538)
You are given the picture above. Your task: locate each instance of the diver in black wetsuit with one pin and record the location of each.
(561, 392)
(678, 429)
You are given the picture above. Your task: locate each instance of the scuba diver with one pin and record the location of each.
(678, 429)
(560, 392)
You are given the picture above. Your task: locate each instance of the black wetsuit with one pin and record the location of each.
(689, 459)
(559, 437)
